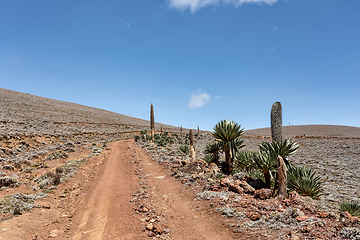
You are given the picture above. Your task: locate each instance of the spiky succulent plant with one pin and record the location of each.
(352, 207)
(244, 160)
(228, 133)
(213, 148)
(304, 181)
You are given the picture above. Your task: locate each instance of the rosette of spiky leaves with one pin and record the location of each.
(304, 181)
(213, 148)
(352, 207)
(284, 149)
(228, 133)
(244, 160)
(209, 158)
(264, 162)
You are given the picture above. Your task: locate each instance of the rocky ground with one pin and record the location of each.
(52, 151)
(294, 218)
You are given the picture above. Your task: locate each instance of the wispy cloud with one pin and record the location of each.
(125, 23)
(198, 99)
(195, 5)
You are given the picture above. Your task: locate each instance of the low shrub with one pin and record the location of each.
(352, 207)
(304, 181)
(184, 148)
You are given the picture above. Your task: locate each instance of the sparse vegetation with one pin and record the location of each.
(213, 149)
(137, 138)
(228, 134)
(184, 148)
(352, 207)
(304, 181)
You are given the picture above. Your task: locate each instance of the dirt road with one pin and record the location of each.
(107, 211)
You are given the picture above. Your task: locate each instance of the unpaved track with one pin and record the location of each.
(108, 213)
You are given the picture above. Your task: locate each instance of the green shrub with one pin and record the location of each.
(137, 138)
(244, 160)
(184, 148)
(219, 176)
(160, 142)
(143, 132)
(352, 207)
(209, 158)
(304, 181)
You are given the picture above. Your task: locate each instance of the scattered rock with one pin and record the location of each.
(322, 214)
(54, 233)
(8, 167)
(302, 218)
(263, 193)
(149, 227)
(246, 187)
(254, 216)
(241, 176)
(235, 188)
(225, 182)
(345, 215)
(216, 188)
(17, 211)
(8, 182)
(157, 229)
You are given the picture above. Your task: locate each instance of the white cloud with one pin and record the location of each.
(198, 99)
(125, 23)
(195, 5)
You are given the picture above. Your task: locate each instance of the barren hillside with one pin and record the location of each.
(30, 114)
(66, 172)
(312, 130)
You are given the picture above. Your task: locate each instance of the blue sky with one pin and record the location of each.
(197, 61)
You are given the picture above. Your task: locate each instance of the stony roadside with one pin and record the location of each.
(254, 211)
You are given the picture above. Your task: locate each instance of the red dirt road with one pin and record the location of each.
(107, 211)
(98, 203)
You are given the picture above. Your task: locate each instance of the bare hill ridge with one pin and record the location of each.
(36, 114)
(17, 105)
(312, 130)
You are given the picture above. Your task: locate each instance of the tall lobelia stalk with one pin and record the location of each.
(276, 122)
(152, 122)
(192, 148)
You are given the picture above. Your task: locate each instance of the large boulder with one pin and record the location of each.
(257, 184)
(245, 186)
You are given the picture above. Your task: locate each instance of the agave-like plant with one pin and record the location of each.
(228, 134)
(244, 160)
(266, 163)
(352, 207)
(284, 149)
(209, 158)
(213, 148)
(304, 181)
